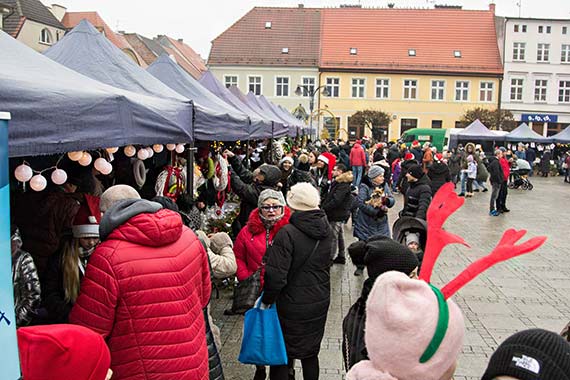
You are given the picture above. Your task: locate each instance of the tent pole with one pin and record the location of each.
(190, 159)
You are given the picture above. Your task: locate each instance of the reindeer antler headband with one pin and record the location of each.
(445, 203)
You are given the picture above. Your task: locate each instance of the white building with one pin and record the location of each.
(536, 59)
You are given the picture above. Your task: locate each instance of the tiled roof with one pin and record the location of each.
(383, 38)
(72, 19)
(28, 10)
(184, 55)
(249, 42)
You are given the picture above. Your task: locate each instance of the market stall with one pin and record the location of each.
(524, 133)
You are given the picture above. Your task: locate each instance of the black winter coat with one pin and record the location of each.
(353, 344)
(393, 154)
(418, 154)
(338, 200)
(297, 176)
(402, 180)
(418, 198)
(297, 278)
(438, 174)
(495, 171)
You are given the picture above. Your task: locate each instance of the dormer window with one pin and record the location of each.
(412, 52)
(45, 37)
(267, 24)
(457, 53)
(353, 51)
(285, 51)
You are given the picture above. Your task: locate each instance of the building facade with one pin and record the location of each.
(270, 52)
(536, 56)
(33, 24)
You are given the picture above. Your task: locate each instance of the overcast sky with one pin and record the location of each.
(198, 22)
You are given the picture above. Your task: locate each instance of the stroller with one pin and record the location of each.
(407, 225)
(519, 179)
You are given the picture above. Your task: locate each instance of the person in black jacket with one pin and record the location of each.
(408, 162)
(438, 173)
(297, 279)
(497, 179)
(379, 254)
(418, 196)
(248, 185)
(336, 205)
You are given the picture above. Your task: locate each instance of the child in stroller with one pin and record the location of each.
(412, 233)
(519, 176)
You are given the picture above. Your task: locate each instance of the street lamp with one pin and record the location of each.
(305, 90)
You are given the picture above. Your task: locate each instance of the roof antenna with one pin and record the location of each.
(519, 4)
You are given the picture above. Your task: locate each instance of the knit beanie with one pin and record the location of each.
(303, 197)
(406, 314)
(55, 352)
(270, 194)
(375, 171)
(534, 354)
(416, 171)
(381, 254)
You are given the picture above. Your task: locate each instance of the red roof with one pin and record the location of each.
(71, 19)
(184, 55)
(249, 42)
(383, 38)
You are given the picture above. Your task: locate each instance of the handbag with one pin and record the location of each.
(262, 342)
(246, 292)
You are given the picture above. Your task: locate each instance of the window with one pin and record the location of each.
(309, 85)
(524, 28)
(564, 91)
(516, 28)
(542, 52)
(540, 86)
(268, 25)
(548, 29)
(486, 91)
(412, 52)
(410, 89)
(230, 80)
(518, 51)
(461, 91)
(254, 84)
(564, 30)
(437, 90)
(45, 37)
(382, 88)
(516, 89)
(285, 51)
(406, 124)
(332, 126)
(437, 124)
(282, 86)
(358, 87)
(565, 54)
(353, 51)
(457, 53)
(333, 87)
(540, 29)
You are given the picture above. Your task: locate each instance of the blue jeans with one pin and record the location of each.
(357, 175)
(463, 177)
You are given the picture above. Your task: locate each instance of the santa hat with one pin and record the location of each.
(55, 352)
(433, 338)
(438, 157)
(415, 143)
(330, 160)
(87, 219)
(408, 156)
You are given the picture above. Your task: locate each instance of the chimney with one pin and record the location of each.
(301, 5)
(58, 11)
(492, 7)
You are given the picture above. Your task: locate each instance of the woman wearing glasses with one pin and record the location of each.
(254, 239)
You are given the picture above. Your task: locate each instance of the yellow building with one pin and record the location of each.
(425, 67)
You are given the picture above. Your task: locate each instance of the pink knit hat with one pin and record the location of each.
(413, 330)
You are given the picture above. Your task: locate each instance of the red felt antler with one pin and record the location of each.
(505, 249)
(444, 203)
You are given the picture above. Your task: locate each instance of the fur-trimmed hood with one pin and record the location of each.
(345, 177)
(255, 225)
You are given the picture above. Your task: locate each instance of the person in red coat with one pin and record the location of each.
(253, 240)
(144, 291)
(503, 192)
(357, 162)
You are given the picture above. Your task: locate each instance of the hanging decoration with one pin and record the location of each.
(130, 151)
(86, 159)
(112, 150)
(23, 173)
(38, 182)
(59, 177)
(142, 154)
(171, 147)
(75, 156)
(180, 148)
(158, 148)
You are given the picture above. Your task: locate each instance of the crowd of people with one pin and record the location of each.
(132, 271)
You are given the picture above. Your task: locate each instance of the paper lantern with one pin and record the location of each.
(75, 156)
(106, 169)
(23, 173)
(100, 163)
(59, 176)
(38, 182)
(180, 148)
(112, 150)
(170, 147)
(86, 159)
(142, 154)
(158, 148)
(130, 151)
(150, 152)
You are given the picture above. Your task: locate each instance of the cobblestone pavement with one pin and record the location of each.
(526, 292)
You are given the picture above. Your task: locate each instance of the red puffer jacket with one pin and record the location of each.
(251, 243)
(144, 291)
(357, 155)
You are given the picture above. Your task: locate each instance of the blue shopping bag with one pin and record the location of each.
(262, 342)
